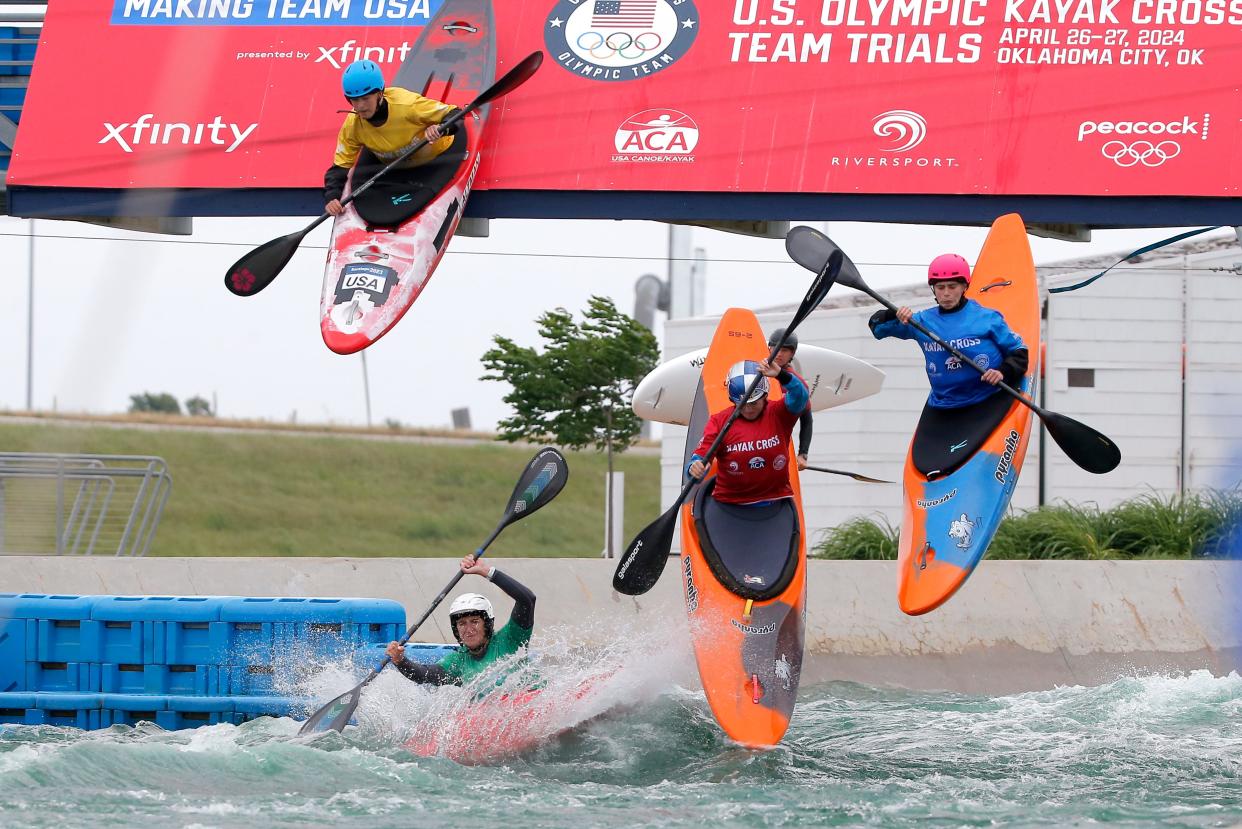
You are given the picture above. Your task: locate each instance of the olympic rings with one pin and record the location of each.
(604, 47)
(1140, 152)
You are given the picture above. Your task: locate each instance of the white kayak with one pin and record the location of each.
(666, 395)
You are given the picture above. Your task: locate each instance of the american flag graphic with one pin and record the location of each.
(624, 14)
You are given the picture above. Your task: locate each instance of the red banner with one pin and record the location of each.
(996, 97)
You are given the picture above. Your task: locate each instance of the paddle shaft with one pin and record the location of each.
(853, 475)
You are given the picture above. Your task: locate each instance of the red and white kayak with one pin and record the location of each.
(501, 726)
(375, 271)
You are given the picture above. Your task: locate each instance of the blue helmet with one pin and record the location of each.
(362, 77)
(741, 375)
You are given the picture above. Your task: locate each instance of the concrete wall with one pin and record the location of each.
(1014, 626)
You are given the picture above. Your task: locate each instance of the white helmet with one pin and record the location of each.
(472, 604)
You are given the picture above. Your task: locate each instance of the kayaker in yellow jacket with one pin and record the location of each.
(387, 121)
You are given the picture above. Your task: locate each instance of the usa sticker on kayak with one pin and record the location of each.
(377, 280)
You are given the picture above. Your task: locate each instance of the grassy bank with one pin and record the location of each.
(301, 495)
(1197, 525)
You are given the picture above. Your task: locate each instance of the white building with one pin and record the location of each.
(1150, 355)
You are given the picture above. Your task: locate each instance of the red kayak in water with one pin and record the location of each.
(501, 726)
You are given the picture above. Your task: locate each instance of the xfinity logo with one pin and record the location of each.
(1183, 127)
(147, 131)
(349, 51)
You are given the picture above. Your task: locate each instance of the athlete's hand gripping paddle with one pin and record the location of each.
(256, 270)
(541, 481)
(643, 561)
(1086, 447)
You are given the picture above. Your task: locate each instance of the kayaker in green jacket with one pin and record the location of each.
(473, 621)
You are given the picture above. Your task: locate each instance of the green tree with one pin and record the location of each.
(561, 393)
(148, 402)
(197, 406)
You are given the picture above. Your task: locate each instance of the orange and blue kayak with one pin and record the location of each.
(743, 571)
(963, 464)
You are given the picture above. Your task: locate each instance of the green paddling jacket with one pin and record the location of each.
(461, 666)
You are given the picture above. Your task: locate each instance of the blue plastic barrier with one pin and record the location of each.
(268, 631)
(12, 655)
(77, 710)
(189, 631)
(17, 708)
(247, 680)
(371, 655)
(77, 677)
(200, 680)
(251, 708)
(191, 712)
(57, 626)
(130, 709)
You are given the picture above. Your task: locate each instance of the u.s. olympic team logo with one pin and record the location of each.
(620, 40)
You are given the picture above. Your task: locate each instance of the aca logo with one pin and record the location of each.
(660, 135)
(620, 40)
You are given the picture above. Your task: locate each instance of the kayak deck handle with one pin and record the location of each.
(750, 603)
(999, 283)
(756, 689)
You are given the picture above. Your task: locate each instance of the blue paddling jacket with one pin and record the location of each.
(978, 332)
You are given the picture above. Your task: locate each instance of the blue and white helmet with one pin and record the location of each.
(741, 375)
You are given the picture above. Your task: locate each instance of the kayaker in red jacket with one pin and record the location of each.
(752, 466)
(473, 621)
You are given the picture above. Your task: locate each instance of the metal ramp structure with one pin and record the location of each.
(61, 504)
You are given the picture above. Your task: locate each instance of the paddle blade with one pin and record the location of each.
(811, 249)
(256, 270)
(1091, 450)
(541, 481)
(335, 715)
(643, 561)
(511, 80)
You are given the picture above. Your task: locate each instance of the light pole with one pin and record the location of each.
(608, 551)
(30, 321)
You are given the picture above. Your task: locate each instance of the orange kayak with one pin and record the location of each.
(744, 572)
(963, 465)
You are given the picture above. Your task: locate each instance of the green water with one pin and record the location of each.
(1137, 752)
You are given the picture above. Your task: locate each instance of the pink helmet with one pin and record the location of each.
(948, 266)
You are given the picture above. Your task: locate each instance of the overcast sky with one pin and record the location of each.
(117, 313)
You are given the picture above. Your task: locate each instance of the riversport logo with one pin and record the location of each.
(656, 135)
(902, 130)
(620, 40)
(905, 128)
(146, 131)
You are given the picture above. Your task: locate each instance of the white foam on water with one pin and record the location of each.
(577, 684)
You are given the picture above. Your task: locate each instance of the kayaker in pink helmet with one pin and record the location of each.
(980, 333)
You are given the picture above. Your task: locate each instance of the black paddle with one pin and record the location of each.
(853, 475)
(542, 479)
(643, 561)
(256, 270)
(1083, 445)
